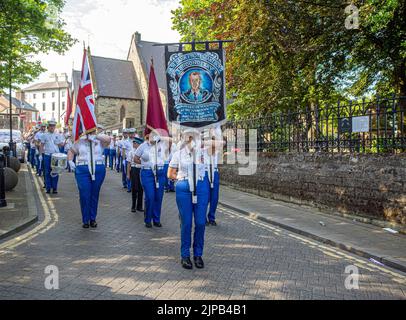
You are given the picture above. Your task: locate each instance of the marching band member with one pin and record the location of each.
(127, 146)
(169, 185)
(212, 149)
(89, 173)
(122, 146)
(134, 175)
(150, 155)
(106, 151)
(112, 151)
(68, 145)
(50, 144)
(192, 195)
(37, 140)
(33, 148)
(118, 153)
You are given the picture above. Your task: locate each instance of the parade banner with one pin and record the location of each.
(195, 84)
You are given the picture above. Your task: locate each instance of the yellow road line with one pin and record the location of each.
(330, 251)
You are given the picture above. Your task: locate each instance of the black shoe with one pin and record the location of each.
(48, 191)
(186, 263)
(207, 223)
(93, 224)
(133, 210)
(213, 223)
(148, 225)
(198, 262)
(128, 191)
(86, 226)
(157, 224)
(140, 210)
(55, 192)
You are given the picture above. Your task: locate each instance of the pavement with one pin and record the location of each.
(245, 257)
(360, 238)
(21, 209)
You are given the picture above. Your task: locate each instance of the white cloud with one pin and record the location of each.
(108, 25)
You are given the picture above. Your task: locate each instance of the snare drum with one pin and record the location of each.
(58, 163)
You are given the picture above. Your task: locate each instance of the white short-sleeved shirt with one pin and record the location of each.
(148, 156)
(130, 158)
(183, 161)
(38, 135)
(127, 145)
(51, 141)
(82, 149)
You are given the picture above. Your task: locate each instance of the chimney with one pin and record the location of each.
(53, 77)
(137, 37)
(20, 95)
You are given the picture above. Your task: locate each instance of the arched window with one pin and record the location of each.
(122, 113)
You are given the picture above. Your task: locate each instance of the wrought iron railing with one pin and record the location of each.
(377, 126)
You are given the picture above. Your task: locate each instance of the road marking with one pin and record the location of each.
(330, 251)
(50, 220)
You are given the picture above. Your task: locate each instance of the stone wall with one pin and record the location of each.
(372, 186)
(108, 111)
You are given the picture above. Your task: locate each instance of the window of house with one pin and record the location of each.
(43, 96)
(122, 113)
(53, 106)
(63, 105)
(63, 93)
(43, 107)
(34, 96)
(53, 94)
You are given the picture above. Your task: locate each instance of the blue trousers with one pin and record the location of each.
(32, 157)
(213, 195)
(106, 153)
(169, 185)
(153, 195)
(112, 158)
(119, 162)
(188, 211)
(38, 164)
(51, 182)
(89, 190)
(124, 173)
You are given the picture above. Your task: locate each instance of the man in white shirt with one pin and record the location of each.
(150, 155)
(50, 144)
(127, 146)
(122, 160)
(37, 141)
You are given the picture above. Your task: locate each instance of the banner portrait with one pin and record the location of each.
(195, 83)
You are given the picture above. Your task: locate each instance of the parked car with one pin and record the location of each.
(17, 138)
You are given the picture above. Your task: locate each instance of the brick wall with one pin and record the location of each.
(373, 186)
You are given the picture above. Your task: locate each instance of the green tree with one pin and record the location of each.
(29, 27)
(290, 53)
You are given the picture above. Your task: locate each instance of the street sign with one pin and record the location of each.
(360, 124)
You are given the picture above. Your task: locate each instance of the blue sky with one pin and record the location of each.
(108, 25)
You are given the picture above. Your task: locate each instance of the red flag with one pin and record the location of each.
(85, 117)
(68, 108)
(155, 112)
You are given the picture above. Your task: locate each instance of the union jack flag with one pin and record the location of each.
(85, 117)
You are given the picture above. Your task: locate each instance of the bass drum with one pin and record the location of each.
(58, 163)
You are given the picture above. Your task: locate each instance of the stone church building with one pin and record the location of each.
(121, 86)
